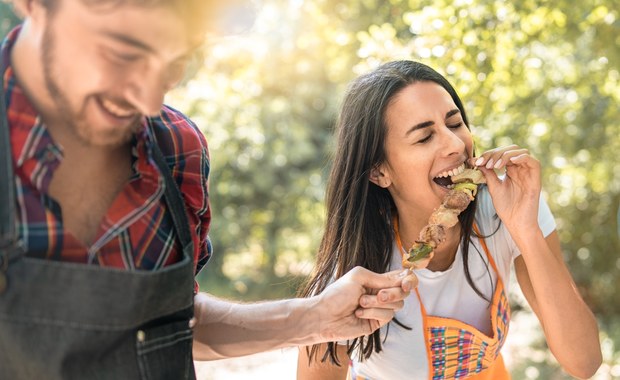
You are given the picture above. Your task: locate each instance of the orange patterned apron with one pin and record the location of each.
(456, 350)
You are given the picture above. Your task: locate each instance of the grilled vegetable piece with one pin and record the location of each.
(468, 188)
(419, 251)
(469, 175)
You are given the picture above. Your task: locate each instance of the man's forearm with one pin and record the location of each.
(356, 304)
(225, 329)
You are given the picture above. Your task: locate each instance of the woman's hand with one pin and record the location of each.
(543, 276)
(515, 196)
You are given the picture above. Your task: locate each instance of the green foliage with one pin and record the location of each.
(267, 109)
(541, 74)
(7, 18)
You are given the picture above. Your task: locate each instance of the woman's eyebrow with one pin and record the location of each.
(426, 124)
(452, 112)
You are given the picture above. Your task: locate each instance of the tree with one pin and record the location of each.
(8, 19)
(542, 74)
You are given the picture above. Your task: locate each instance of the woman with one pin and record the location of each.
(402, 127)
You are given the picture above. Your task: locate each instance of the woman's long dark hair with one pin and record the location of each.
(359, 225)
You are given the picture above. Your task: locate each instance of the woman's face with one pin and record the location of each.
(426, 139)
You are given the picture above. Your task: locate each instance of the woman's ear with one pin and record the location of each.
(379, 178)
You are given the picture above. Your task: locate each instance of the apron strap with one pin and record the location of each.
(486, 250)
(8, 236)
(174, 199)
(7, 191)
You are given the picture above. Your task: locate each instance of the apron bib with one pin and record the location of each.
(457, 350)
(74, 321)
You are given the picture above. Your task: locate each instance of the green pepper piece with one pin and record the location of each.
(468, 187)
(419, 252)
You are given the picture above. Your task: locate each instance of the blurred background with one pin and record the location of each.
(541, 74)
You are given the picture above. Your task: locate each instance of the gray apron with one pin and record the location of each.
(74, 321)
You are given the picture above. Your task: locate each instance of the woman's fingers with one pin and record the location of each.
(499, 158)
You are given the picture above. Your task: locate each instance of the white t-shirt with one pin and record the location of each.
(447, 294)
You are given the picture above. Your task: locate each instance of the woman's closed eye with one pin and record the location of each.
(425, 139)
(429, 136)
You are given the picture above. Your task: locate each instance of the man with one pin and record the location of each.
(111, 208)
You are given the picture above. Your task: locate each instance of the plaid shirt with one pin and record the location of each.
(137, 231)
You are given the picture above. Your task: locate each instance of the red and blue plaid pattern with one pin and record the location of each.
(137, 232)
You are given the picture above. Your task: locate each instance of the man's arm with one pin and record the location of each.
(225, 329)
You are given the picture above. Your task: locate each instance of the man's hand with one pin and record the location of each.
(356, 304)
(361, 301)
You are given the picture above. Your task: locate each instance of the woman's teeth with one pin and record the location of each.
(450, 173)
(443, 179)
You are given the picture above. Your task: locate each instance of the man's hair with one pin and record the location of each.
(229, 16)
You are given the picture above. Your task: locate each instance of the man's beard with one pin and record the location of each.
(76, 123)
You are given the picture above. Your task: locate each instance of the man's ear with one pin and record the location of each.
(379, 178)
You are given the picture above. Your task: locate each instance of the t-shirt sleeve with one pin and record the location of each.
(546, 222)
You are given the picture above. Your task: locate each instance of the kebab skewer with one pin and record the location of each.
(446, 216)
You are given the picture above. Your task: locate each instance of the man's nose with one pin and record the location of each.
(146, 93)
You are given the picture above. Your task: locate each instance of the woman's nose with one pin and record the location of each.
(452, 142)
